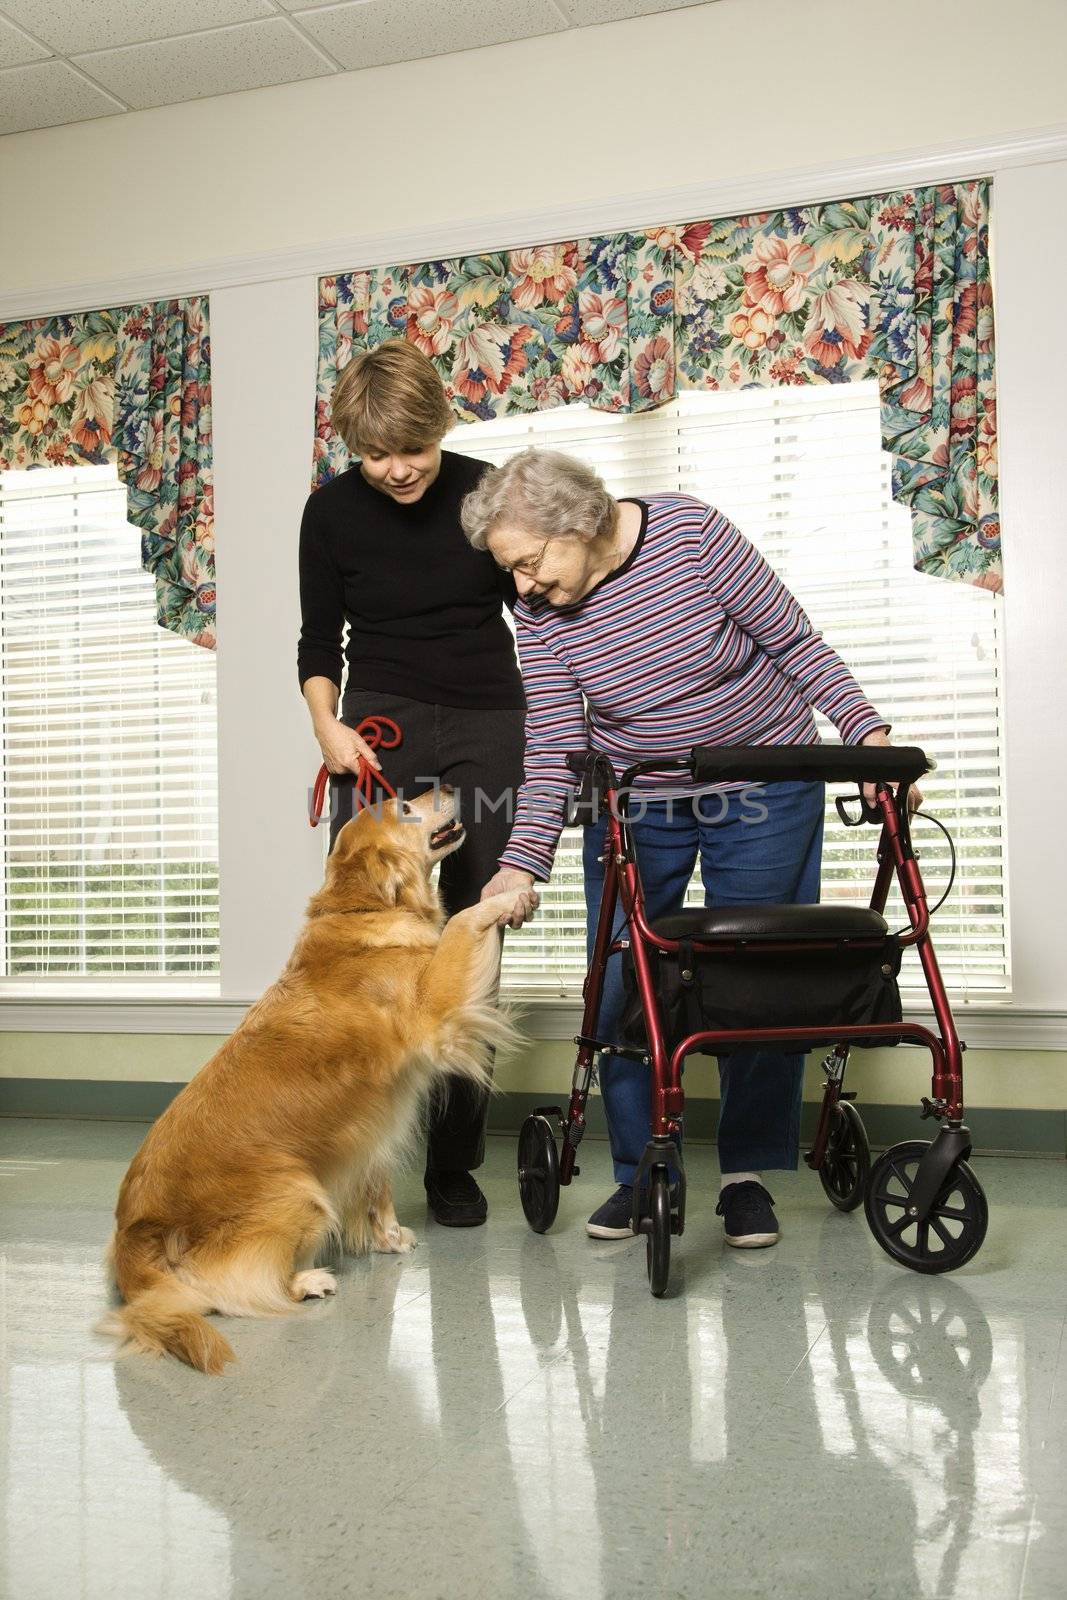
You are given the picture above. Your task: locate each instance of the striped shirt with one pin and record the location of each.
(693, 640)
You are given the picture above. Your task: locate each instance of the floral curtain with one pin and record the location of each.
(894, 287)
(130, 386)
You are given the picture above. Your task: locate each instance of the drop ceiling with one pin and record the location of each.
(70, 60)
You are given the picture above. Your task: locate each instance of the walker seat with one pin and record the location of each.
(745, 924)
(769, 966)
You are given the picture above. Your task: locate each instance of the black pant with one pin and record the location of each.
(479, 753)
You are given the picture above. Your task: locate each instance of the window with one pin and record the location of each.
(108, 755)
(803, 475)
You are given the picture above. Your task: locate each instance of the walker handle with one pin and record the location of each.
(596, 777)
(867, 813)
(821, 763)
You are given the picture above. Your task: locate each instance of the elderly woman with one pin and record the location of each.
(382, 550)
(648, 625)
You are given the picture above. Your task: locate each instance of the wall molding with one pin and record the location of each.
(956, 161)
(982, 1027)
(996, 1130)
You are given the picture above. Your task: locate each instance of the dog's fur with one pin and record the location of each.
(288, 1135)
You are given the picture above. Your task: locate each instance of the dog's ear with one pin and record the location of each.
(409, 880)
(352, 837)
(385, 874)
(370, 868)
(355, 869)
(374, 872)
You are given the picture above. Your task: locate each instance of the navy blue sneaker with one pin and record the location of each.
(745, 1209)
(614, 1219)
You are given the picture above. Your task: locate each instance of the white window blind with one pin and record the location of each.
(802, 473)
(109, 776)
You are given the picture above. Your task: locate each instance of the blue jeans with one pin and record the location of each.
(742, 861)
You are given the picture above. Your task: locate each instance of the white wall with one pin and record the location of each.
(1031, 231)
(731, 98)
(264, 342)
(735, 89)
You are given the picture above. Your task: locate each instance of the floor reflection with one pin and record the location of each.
(511, 1415)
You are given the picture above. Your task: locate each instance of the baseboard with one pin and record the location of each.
(87, 1099)
(997, 1130)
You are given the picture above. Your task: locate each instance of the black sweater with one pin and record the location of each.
(425, 611)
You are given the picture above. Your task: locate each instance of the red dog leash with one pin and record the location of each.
(378, 733)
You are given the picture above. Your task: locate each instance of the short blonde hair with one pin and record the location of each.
(391, 398)
(544, 492)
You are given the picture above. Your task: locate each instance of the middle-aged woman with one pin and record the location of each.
(381, 549)
(646, 626)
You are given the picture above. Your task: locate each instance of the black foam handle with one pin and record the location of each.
(813, 763)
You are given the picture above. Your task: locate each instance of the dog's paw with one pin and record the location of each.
(313, 1285)
(396, 1241)
(501, 909)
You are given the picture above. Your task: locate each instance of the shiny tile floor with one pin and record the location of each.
(511, 1416)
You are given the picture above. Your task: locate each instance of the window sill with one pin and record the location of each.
(107, 991)
(984, 1026)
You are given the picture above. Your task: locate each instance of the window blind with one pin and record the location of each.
(802, 473)
(109, 773)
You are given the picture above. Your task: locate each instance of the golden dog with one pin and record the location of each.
(288, 1135)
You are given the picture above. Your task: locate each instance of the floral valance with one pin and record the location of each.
(894, 287)
(130, 386)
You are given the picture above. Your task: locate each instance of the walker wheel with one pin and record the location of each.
(950, 1235)
(847, 1162)
(658, 1237)
(538, 1173)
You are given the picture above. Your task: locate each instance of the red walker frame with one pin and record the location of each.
(940, 1161)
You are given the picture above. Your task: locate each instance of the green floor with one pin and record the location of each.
(504, 1415)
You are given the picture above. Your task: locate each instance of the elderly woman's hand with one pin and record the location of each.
(511, 878)
(870, 792)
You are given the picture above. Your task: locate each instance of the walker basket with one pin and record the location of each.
(749, 988)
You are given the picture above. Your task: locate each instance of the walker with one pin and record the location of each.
(796, 976)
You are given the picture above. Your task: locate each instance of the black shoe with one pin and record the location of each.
(747, 1216)
(455, 1199)
(614, 1219)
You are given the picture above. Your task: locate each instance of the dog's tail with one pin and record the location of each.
(162, 1315)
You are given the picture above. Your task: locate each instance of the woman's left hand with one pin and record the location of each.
(506, 881)
(870, 791)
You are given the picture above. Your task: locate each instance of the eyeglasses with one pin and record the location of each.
(530, 568)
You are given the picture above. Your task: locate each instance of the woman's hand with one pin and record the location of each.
(342, 747)
(506, 881)
(870, 790)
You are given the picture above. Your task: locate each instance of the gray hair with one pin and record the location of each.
(544, 492)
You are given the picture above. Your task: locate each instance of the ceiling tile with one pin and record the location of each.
(585, 12)
(371, 33)
(106, 23)
(44, 95)
(253, 55)
(16, 48)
